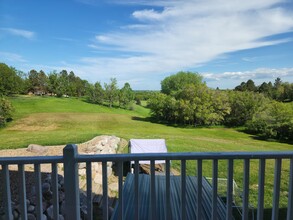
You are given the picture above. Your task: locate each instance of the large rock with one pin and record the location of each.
(37, 149)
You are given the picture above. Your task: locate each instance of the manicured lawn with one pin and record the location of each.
(54, 121)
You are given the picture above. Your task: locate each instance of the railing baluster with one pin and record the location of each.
(199, 189)
(245, 190)
(276, 193)
(153, 192)
(105, 191)
(215, 189)
(89, 191)
(290, 193)
(261, 186)
(7, 192)
(168, 196)
(229, 190)
(120, 190)
(39, 203)
(54, 185)
(22, 193)
(136, 190)
(183, 189)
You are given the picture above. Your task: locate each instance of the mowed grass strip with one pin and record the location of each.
(56, 121)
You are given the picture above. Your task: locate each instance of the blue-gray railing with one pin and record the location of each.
(71, 158)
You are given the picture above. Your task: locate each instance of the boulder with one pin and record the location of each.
(37, 149)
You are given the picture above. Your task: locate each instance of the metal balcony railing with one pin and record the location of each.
(71, 159)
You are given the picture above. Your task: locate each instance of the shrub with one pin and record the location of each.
(275, 121)
(5, 111)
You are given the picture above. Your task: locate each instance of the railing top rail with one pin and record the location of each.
(31, 160)
(151, 156)
(186, 156)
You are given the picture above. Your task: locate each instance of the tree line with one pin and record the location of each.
(280, 91)
(59, 84)
(185, 99)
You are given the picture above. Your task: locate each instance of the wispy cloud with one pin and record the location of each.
(259, 73)
(184, 34)
(67, 39)
(11, 57)
(19, 32)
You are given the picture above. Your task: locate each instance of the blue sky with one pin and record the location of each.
(143, 41)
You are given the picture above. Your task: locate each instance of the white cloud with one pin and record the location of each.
(258, 74)
(11, 57)
(181, 35)
(19, 32)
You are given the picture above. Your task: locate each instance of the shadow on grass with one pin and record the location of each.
(262, 138)
(114, 106)
(175, 125)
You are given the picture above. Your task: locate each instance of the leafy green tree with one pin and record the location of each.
(81, 87)
(10, 81)
(266, 88)
(111, 92)
(243, 107)
(63, 83)
(53, 83)
(38, 82)
(274, 121)
(5, 111)
(250, 86)
(174, 84)
(241, 87)
(246, 86)
(157, 104)
(72, 84)
(126, 95)
(96, 93)
(193, 103)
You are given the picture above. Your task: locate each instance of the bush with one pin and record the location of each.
(244, 105)
(275, 121)
(5, 111)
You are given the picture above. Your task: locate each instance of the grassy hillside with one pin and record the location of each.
(53, 121)
(50, 120)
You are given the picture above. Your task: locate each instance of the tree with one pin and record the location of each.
(266, 88)
(243, 106)
(10, 81)
(250, 86)
(274, 121)
(72, 84)
(278, 90)
(38, 82)
(174, 84)
(157, 104)
(81, 87)
(111, 92)
(246, 86)
(126, 95)
(5, 110)
(241, 87)
(189, 101)
(96, 93)
(63, 83)
(53, 83)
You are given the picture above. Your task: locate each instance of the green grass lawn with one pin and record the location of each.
(54, 121)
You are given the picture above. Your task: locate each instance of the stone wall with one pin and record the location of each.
(98, 145)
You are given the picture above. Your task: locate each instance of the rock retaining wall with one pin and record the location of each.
(99, 145)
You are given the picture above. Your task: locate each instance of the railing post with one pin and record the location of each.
(7, 193)
(72, 203)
